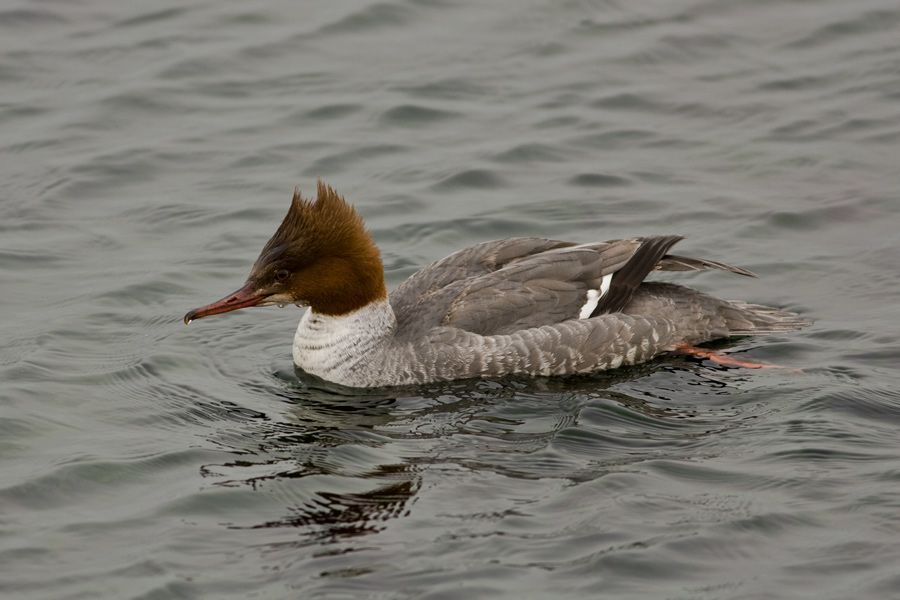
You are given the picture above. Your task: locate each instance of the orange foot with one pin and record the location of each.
(722, 359)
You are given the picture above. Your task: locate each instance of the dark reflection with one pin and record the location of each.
(346, 461)
(350, 515)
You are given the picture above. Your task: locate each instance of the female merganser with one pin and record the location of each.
(524, 306)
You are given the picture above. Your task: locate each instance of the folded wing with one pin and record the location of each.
(507, 285)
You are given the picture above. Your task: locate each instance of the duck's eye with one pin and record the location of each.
(281, 275)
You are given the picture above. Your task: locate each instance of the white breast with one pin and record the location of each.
(344, 349)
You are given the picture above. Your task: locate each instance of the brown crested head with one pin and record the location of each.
(321, 256)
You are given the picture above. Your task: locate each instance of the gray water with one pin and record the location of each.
(149, 150)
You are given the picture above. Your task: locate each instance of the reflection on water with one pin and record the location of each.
(384, 440)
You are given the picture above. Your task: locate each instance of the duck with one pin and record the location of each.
(521, 306)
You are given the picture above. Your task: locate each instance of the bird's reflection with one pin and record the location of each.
(345, 462)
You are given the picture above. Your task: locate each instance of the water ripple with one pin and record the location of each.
(410, 115)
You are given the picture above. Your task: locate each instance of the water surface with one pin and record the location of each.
(150, 150)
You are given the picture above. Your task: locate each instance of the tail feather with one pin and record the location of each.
(755, 319)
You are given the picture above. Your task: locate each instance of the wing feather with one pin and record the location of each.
(672, 262)
(504, 286)
(627, 279)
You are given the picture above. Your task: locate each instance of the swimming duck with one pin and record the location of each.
(518, 306)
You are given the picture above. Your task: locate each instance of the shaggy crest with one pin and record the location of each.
(327, 224)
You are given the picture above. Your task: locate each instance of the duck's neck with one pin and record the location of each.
(331, 346)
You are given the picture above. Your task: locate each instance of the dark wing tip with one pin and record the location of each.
(627, 279)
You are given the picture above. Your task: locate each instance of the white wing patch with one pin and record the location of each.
(594, 296)
(604, 284)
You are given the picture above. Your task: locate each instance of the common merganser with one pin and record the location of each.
(518, 306)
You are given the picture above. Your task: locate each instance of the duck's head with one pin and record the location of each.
(321, 256)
